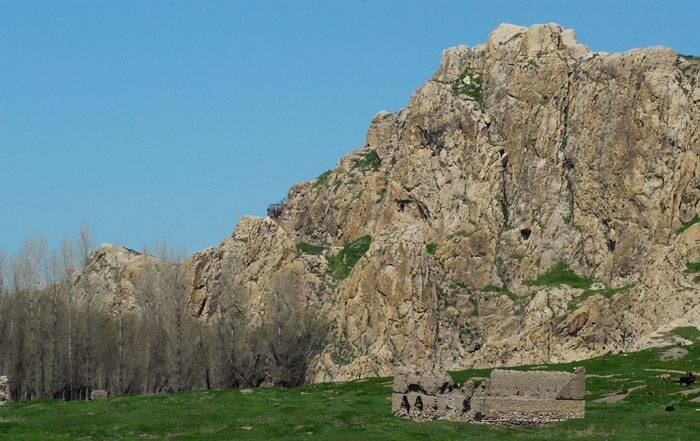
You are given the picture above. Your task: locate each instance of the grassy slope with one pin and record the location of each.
(360, 410)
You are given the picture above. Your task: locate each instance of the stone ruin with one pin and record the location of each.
(506, 397)
(99, 395)
(4, 390)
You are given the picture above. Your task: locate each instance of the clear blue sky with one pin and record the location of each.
(173, 118)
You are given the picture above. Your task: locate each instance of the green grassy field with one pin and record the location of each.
(360, 410)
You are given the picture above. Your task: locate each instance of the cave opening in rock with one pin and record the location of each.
(611, 245)
(525, 233)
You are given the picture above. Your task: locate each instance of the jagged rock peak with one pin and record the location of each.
(534, 202)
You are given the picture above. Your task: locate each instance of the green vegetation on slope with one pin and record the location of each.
(307, 248)
(431, 248)
(369, 160)
(501, 290)
(694, 267)
(506, 215)
(470, 85)
(687, 225)
(323, 179)
(342, 263)
(606, 292)
(561, 275)
(689, 333)
(361, 410)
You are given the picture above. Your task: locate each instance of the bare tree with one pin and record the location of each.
(56, 344)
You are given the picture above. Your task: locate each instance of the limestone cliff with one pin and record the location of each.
(522, 163)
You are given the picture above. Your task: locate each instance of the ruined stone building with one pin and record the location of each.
(509, 397)
(4, 390)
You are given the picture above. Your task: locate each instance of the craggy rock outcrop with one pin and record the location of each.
(527, 154)
(110, 277)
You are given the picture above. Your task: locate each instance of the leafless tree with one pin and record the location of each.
(57, 341)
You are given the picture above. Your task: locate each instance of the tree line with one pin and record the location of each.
(57, 340)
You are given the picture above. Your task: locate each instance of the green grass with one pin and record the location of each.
(694, 267)
(687, 225)
(323, 179)
(368, 161)
(561, 274)
(342, 263)
(606, 292)
(506, 215)
(501, 290)
(431, 248)
(470, 85)
(307, 248)
(360, 410)
(689, 333)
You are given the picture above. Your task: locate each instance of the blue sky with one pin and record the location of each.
(172, 119)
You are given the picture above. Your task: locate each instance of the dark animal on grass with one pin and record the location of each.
(687, 379)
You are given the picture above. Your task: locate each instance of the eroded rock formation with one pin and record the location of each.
(534, 202)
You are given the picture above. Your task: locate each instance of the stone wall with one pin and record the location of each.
(427, 397)
(98, 395)
(508, 397)
(4, 390)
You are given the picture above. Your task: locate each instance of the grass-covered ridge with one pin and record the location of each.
(342, 263)
(360, 410)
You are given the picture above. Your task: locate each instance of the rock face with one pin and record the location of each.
(534, 202)
(4, 390)
(507, 397)
(110, 277)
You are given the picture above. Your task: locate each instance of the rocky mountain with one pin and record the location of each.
(535, 201)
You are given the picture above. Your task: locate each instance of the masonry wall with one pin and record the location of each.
(4, 390)
(510, 397)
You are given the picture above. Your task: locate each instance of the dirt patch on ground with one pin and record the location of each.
(673, 354)
(687, 392)
(666, 370)
(616, 397)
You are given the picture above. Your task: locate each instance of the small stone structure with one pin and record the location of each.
(4, 390)
(507, 397)
(428, 397)
(275, 210)
(98, 395)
